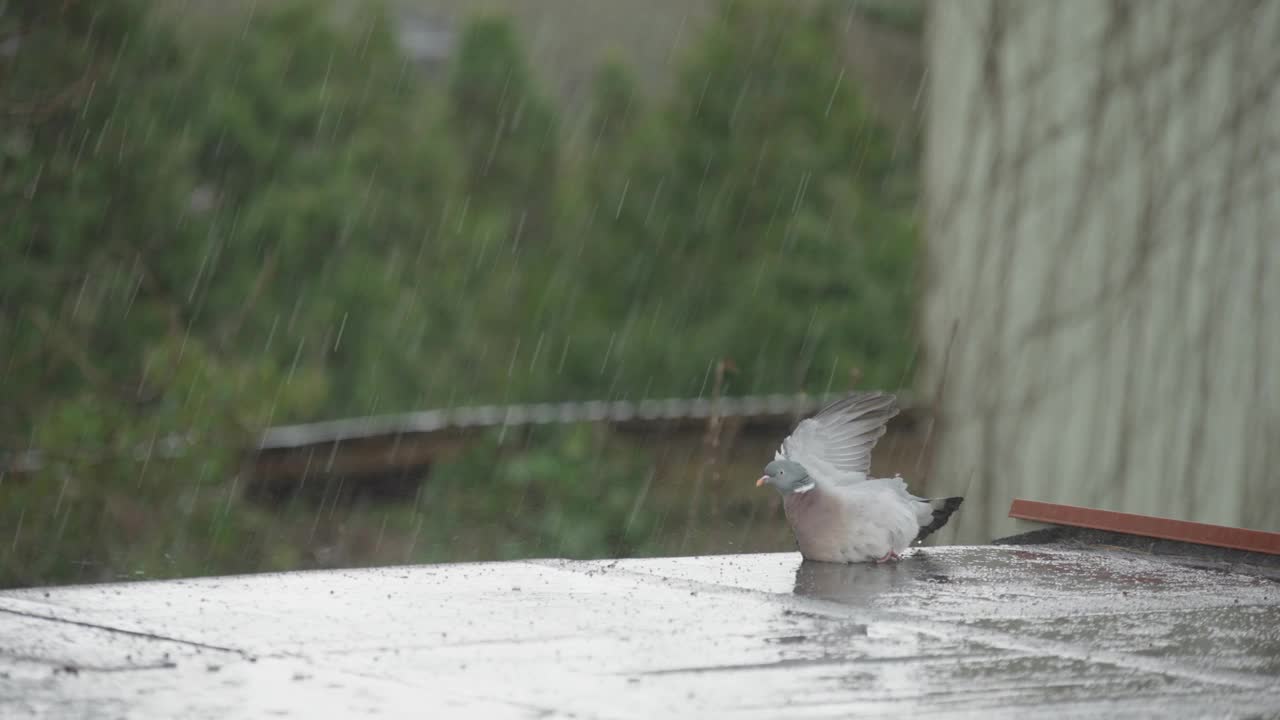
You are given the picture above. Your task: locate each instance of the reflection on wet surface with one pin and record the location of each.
(860, 584)
(958, 631)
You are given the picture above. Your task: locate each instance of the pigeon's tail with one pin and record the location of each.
(942, 509)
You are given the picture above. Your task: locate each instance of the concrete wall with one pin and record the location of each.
(1102, 283)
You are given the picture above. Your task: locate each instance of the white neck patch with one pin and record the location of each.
(804, 488)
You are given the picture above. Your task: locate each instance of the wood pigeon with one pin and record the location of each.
(838, 512)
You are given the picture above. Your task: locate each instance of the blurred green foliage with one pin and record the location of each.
(566, 496)
(285, 220)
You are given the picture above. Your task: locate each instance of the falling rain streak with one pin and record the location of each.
(292, 288)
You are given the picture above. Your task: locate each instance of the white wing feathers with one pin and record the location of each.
(836, 443)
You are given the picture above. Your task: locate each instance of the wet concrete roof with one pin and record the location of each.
(955, 632)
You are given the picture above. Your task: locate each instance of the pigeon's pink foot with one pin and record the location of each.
(891, 555)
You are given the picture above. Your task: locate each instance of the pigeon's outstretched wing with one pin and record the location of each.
(836, 443)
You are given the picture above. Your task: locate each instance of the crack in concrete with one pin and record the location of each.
(133, 633)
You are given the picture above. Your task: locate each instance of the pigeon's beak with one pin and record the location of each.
(763, 479)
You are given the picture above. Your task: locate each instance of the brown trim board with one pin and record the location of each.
(1147, 526)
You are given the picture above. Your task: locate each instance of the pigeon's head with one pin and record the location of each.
(786, 477)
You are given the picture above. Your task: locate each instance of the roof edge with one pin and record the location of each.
(1256, 541)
